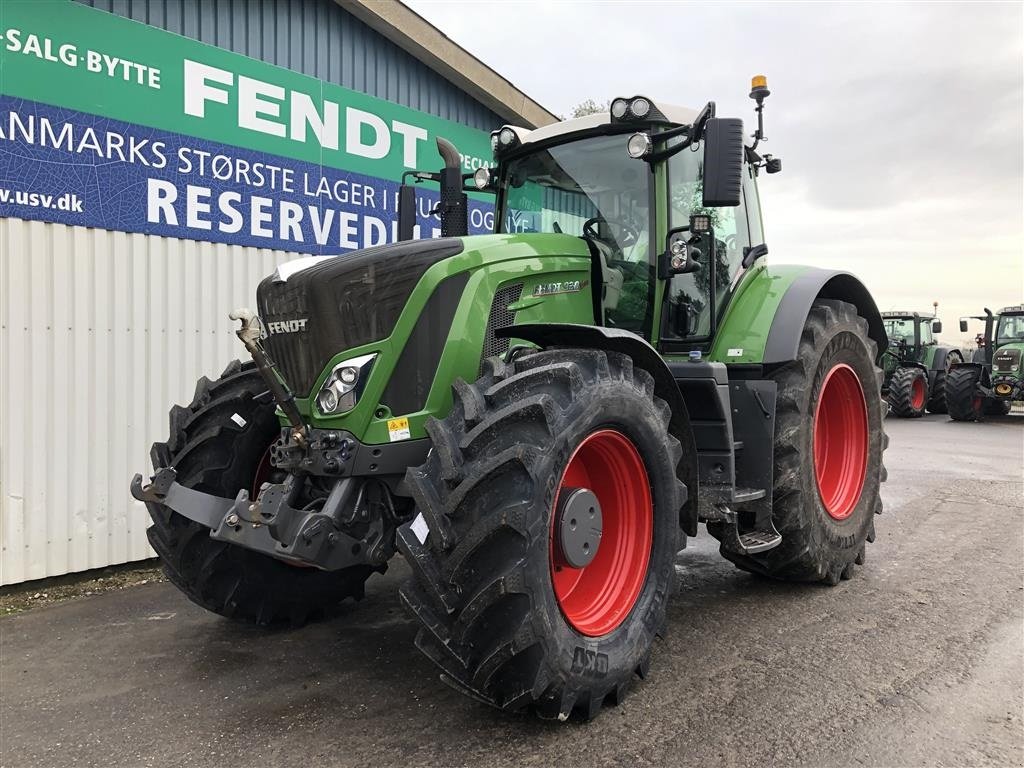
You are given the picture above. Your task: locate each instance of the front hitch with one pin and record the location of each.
(272, 526)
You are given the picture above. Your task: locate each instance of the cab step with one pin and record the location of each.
(749, 542)
(753, 542)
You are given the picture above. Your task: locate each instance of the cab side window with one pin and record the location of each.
(752, 205)
(690, 305)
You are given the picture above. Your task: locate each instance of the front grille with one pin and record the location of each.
(341, 303)
(500, 317)
(1006, 360)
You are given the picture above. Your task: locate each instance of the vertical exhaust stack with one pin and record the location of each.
(453, 208)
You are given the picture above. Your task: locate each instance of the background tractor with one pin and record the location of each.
(994, 378)
(915, 364)
(537, 418)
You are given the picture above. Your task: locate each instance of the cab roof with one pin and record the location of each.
(1016, 309)
(670, 114)
(900, 315)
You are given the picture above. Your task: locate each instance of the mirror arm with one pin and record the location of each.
(752, 253)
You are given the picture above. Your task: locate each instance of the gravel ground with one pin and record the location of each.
(919, 660)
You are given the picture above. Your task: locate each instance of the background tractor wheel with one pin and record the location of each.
(962, 398)
(828, 451)
(908, 393)
(937, 399)
(547, 527)
(220, 444)
(998, 407)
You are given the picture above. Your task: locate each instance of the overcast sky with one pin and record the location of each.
(900, 126)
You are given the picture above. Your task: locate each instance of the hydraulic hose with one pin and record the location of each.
(249, 334)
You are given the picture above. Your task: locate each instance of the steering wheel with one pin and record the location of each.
(629, 233)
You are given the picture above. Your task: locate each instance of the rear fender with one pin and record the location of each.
(787, 325)
(940, 357)
(547, 335)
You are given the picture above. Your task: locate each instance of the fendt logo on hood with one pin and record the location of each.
(287, 326)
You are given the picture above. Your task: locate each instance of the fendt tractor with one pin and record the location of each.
(537, 418)
(994, 378)
(915, 364)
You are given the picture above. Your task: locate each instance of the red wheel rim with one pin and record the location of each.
(597, 598)
(263, 470)
(840, 441)
(917, 392)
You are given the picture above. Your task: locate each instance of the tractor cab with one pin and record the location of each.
(664, 197)
(910, 332)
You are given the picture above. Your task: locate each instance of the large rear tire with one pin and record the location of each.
(908, 392)
(828, 451)
(962, 397)
(502, 611)
(219, 445)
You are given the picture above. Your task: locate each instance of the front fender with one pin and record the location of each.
(644, 356)
(766, 316)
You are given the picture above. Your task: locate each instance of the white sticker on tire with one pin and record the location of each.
(238, 420)
(419, 527)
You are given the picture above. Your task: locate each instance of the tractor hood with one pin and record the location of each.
(316, 307)
(337, 303)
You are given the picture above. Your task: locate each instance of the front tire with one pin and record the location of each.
(937, 403)
(502, 611)
(828, 451)
(963, 400)
(218, 445)
(908, 393)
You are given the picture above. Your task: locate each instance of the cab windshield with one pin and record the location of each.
(903, 328)
(1010, 329)
(592, 189)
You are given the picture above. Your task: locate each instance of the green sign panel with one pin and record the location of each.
(67, 54)
(106, 122)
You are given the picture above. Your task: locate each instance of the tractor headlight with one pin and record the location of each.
(619, 107)
(640, 107)
(482, 178)
(344, 384)
(639, 146)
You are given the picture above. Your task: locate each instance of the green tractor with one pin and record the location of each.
(537, 418)
(915, 365)
(994, 378)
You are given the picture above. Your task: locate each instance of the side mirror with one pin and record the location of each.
(406, 211)
(936, 326)
(723, 161)
(963, 326)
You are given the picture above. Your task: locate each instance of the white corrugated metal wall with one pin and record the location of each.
(101, 332)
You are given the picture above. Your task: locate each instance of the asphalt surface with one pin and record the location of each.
(919, 660)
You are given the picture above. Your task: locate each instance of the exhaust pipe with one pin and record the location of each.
(453, 206)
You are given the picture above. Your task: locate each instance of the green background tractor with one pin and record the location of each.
(994, 378)
(915, 364)
(538, 418)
